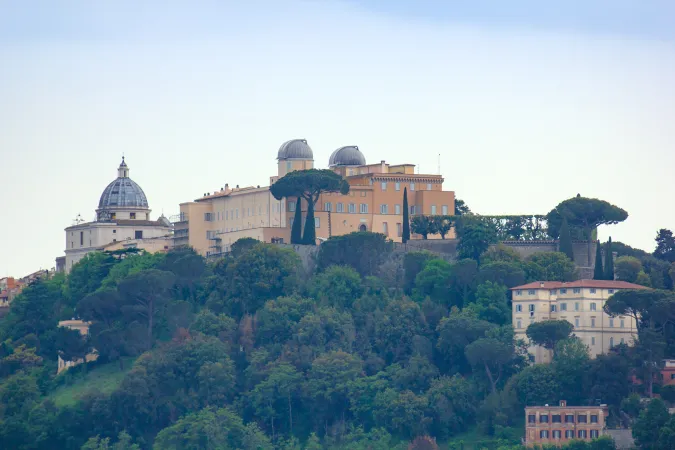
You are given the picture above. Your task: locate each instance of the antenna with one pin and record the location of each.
(439, 163)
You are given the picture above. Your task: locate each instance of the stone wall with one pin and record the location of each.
(307, 254)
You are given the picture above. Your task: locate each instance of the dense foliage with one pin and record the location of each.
(251, 352)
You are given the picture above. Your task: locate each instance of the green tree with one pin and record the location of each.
(146, 295)
(647, 427)
(665, 245)
(413, 264)
(461, 208)
(423, 225)
(452, 401)
(549, 332)
(124, 442)
(536, 385)
(501, 253)
(337, 286)
(598, 271)
(339, 250)
(556, 266)
(509, 274)
(405, 237)
(263, 273)
(434, 281)
(609, 261)
(296, 227)
(309, 184)
(491, 303)
(475, 236)
(442, 225)
(571, 363)
(457, 331)
(273, 398)
(585, 214)
(627, 268)
(87, 275)
(565, 242)
(491, 355)
(72, 344)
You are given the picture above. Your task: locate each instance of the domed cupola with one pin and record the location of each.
(122, 193)
(347, 156)
(295, 149)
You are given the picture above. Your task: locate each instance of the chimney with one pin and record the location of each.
(541, 284)
(563, 403)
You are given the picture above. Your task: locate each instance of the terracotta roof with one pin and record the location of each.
(600, 284)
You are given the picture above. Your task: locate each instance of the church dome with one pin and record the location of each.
(347, 156)
(123, 192)
(295, 149)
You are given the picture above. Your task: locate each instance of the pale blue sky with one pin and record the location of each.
(527, 105)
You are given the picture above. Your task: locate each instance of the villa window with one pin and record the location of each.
(576, 322)
(398, 186)
(611, 342)
(576, 306)
(384, 209)
(530, 292)
(569, 418)
(543, 434)
(412, 186)
(611, 322)
(553, 308)
(444, 210)
(621, 323)
(592, 322)
(531, 418)
(569, 434)
(563, 291)
(428, 186)
(413, 210)
(576, 290)
(397, 209)
(399, 230)
(563, 307)
(384, 185)
(317, 222)
(519, 292)
(327, 206)
(114, 231)
(543, 418)
(594, 434)
(138, 234)
(519, 324)
(593, 306)
(433, 210)
(594, 418)
(291, 206)
(552, 292)
(556, 434)
(352, 208)
(385, 228)
(364, 208)
(592, 290)
(519, 308)
(610, 291)
(555, 418)
(592, 340)
(530, 308)
(582, 434)
(81, 238)
(340, 207)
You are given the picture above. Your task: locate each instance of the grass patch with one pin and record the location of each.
(103, 379)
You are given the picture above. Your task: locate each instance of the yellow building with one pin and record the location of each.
(83, 328)
(580, 303)
(215, 221)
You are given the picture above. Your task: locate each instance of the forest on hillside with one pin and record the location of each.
(251, 352)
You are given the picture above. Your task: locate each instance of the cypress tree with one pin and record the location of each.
(609, 261)
(599, 273)
(565, 242)
(296, 229)
(406, 219)
(309, 238)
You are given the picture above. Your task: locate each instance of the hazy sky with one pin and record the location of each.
(527, 104)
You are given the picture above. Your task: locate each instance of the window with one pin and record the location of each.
(576, 322)
(364, 208)
(621, 323)
(81, 238)
(543, 418)
(340, 207)
(543, 434)
(611, 342)
(592, 322)
(397, 186)
(519, 308)
(621, 342)
(592, 341)
(576, 290)
(531, 308)
(552, 291)
(530, 292)
(556, 434)
(385, 228)
(399, 230)
(582, 434)
(555, 418)
(576, 306)
(208, 217)
(291, 206)
(519, 292)
(384, 209)
(569, 418)
(594, 434)
(384, 185)
(569, 434)
(592, 290)
(563, 291)
(433, 210)
(363, 193)
(519, 323)
(114, 231)
(428, 186)
(610, 291)
(236, 212)
(611, 322)
(352, 208)
(672, 376)
(138, 234)
(317, 222)
(444, 210)
(413, 210)
(113, 215)
(553, 308)
(531, 418)
(582, 418)
(397, 209)
(593, 306)
(327, 206)
(412, 186)
(563, 307)
(132, 215)
(594, 418)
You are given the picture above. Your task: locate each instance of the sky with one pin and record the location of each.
(524, 105)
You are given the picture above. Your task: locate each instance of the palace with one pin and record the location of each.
(212, 223)
(122, 216)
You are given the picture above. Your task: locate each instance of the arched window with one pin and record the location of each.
(362, 228)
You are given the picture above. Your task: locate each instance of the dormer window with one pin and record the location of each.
(132, 215)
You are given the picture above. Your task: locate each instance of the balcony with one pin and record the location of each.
(179, 218)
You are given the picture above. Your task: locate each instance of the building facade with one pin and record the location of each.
(123, 214)
(83, 328)
(9, 288)
(211, 224)
(580, 303)
(559, 424)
